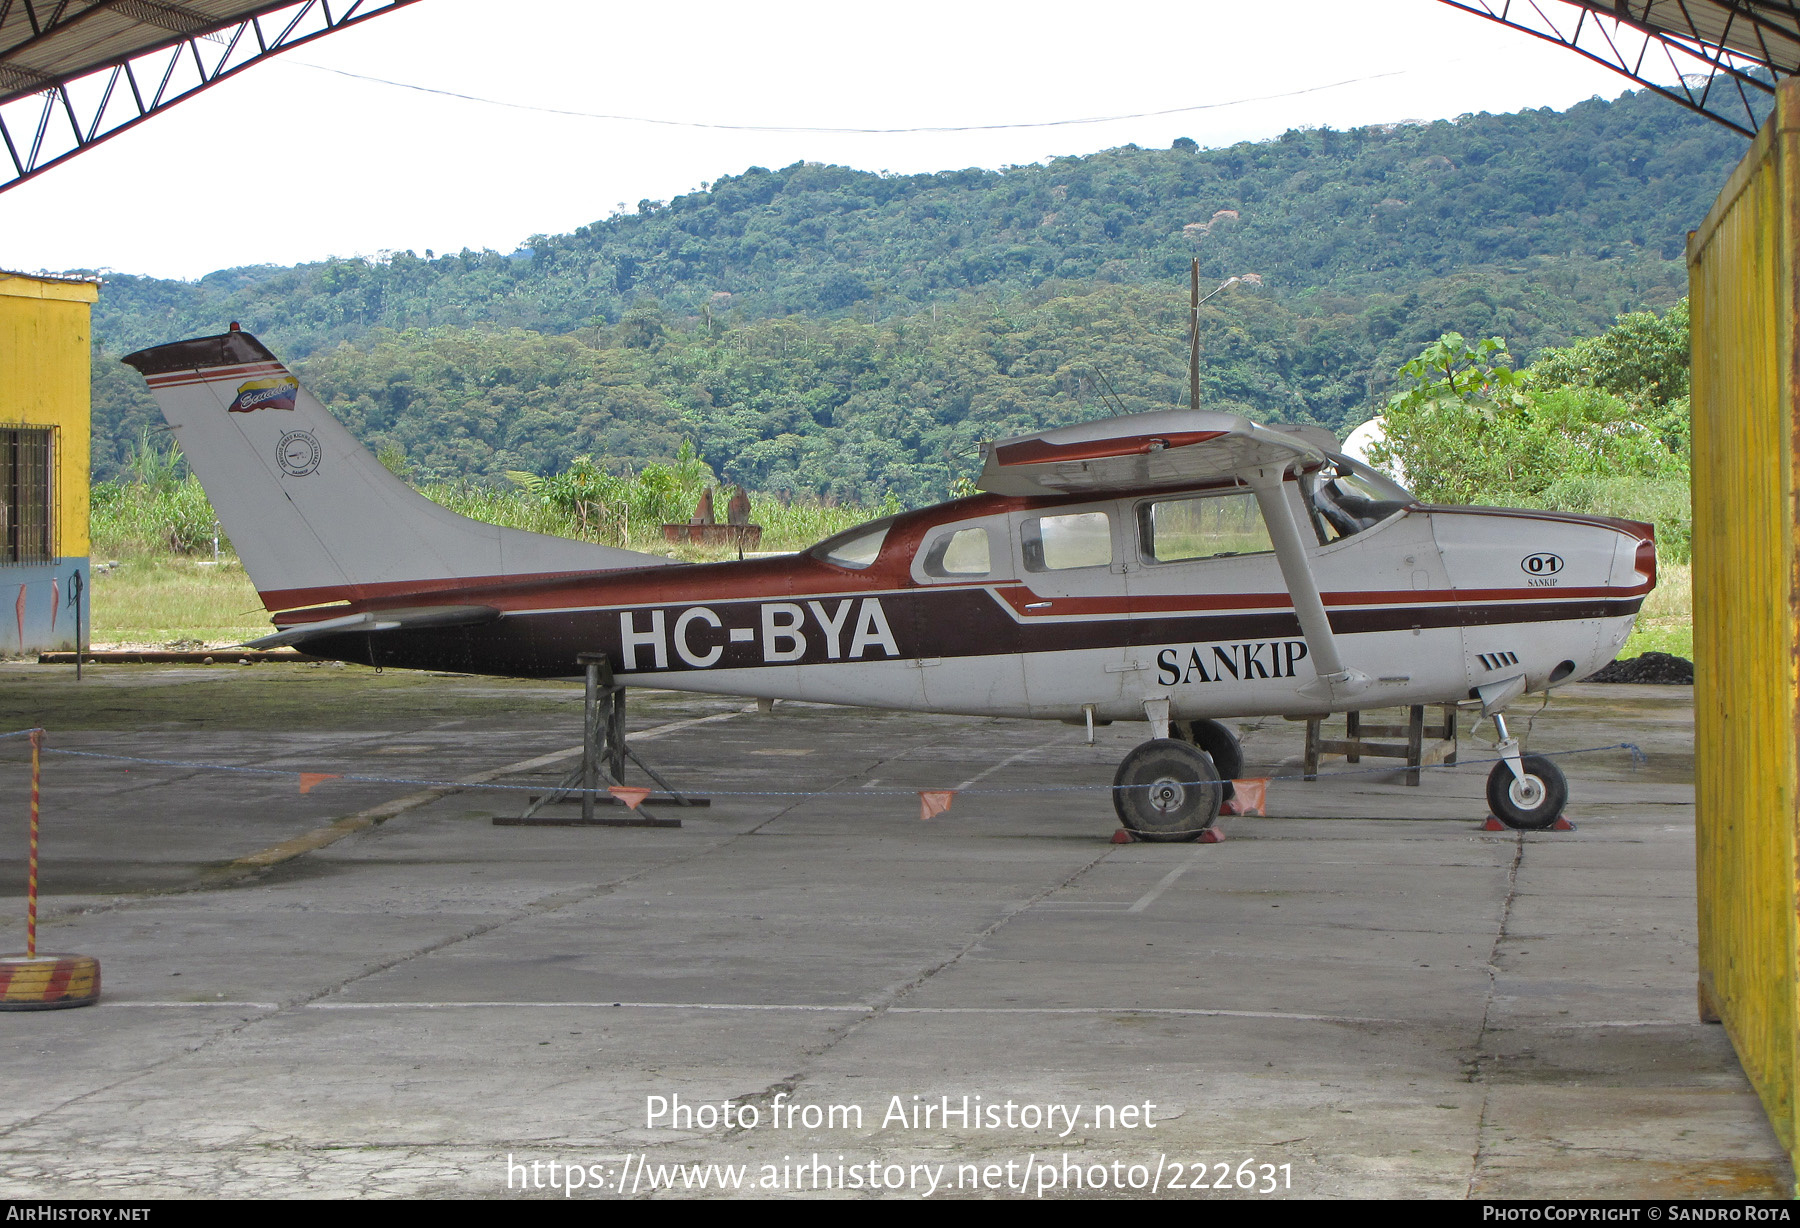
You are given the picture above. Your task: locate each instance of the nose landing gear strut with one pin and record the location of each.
(1525, 792)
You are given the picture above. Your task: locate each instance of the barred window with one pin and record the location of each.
(25, 495)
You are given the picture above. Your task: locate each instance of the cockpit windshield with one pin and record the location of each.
(1346, 496)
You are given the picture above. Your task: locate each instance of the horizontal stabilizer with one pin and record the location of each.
(381, 620)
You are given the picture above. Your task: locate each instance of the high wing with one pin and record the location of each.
(1172, 449)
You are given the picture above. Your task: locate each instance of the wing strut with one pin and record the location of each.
(1334, 681)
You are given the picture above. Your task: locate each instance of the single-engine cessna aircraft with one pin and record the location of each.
(1174, 568)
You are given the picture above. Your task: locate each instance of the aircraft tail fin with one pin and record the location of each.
(314, 516)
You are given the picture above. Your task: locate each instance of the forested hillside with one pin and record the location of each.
(828, 330)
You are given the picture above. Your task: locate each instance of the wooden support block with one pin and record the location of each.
(1415, 741)
(1423, 745)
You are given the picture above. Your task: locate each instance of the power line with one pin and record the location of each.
(682, 123)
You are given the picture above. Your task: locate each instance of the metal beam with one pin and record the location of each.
(1611, 35)
(66, 118)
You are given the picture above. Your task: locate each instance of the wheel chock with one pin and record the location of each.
(1494, 824)
(1210, 835)
(48, 982)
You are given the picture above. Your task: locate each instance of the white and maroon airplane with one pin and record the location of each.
(1174, 568)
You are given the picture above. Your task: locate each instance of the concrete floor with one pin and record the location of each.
(1368, 993)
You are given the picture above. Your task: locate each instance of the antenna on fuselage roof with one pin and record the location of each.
(1103, 386)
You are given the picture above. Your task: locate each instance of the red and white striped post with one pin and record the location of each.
(33, 982)
(31, 873)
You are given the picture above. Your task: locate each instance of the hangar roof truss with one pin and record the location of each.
(1726, 55)
(75, 72)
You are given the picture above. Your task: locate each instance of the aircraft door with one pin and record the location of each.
(1071, 608)
(966, 634)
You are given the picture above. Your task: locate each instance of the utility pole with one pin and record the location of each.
(1194, 301)
(1194, 334)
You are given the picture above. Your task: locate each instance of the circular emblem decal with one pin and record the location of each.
(297, 453)
(1542, 564)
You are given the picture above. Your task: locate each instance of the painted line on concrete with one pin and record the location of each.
(853, 1008)
(1168, 880)
(858, 1008)
(256, 1006)
(1006, 762)
(332, 832)
(1611, 1023)
(1180, 1011)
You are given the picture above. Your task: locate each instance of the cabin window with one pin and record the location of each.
(958, 553)
(1058, 543)
(1342, 503)
(25, 535)
(1213, 527)
(854, 548)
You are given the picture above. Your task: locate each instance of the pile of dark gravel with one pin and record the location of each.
(1651, 667)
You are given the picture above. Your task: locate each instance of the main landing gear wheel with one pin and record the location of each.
(1532, 804)
(1167, 790)
(1216, 740)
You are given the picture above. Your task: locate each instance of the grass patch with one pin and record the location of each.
(1666, 623)
(163, 599)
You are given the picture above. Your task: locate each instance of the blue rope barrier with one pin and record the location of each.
(1638, 759)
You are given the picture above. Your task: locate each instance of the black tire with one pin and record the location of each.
(1535, 806)
(1166, 790)
(1215, 739)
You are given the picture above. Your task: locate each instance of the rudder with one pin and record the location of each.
(311, 512)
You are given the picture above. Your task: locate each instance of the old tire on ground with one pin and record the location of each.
(1217, 740)
(48, 982)
(1532, 804)
(1167, 790)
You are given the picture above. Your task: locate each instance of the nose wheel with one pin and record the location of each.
(1530, 799)
(1167, 790)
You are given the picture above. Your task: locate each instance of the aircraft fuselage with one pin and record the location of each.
(1429, 603)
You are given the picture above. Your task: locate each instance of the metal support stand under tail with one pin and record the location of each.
(603, 749)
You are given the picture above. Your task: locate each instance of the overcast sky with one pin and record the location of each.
(288, 162)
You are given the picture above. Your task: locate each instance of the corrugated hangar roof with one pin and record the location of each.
(46, 44)
(74, 72)
(1765, 32)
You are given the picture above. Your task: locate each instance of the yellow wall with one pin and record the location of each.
(1742, 268)
(44, 382)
